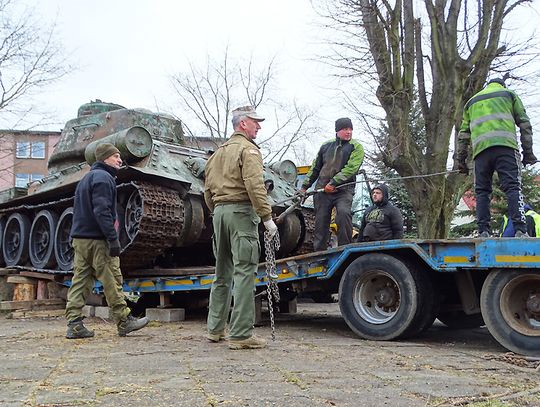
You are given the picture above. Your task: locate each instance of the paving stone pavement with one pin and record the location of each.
(315, 361)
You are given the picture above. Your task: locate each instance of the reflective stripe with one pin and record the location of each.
(492, 134)
(494, 116)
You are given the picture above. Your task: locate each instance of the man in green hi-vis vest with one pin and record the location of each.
(489, 124)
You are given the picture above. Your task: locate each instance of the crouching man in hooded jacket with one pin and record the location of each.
(382, 220)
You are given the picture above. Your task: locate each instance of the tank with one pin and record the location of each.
(163, 220)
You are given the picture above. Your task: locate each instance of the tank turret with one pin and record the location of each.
(163, 219)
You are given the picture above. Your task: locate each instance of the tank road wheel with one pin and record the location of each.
(510, 304)
(290, 233)
(133, 214)
(63, 252)
(2, 227)
(15, 239)
(41, 245)
(460, 320)
(379, 297)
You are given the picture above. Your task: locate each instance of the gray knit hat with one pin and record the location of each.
(343, 123)
(105, 150)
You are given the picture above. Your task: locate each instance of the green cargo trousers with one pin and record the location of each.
(92, 261)
(237, 250)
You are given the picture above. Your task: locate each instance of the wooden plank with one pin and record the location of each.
(59, 312)
(34, 304)
(5, 272)
(16, 279)
(184, 271)
(35, 274)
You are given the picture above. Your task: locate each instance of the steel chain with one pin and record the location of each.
(271, 245)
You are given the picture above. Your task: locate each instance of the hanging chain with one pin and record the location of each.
(271, 245)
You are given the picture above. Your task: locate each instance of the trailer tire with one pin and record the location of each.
(460, 320)
(509, 303)
(428, 301)
(379, 297)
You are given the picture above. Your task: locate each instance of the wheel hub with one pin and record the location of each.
(533, 304)
(386, 297)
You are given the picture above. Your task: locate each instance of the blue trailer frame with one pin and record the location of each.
(390, 289)
(440, 255)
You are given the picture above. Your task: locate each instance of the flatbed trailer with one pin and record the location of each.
(397, 288)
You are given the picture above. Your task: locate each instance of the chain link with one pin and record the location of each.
(271, 245)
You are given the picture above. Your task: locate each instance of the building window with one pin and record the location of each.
(22, 180)
(25, 149)
(38, 149)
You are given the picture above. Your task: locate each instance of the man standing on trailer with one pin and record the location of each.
(489, 124)
(97, 248)
(234, 192)
(337, 163)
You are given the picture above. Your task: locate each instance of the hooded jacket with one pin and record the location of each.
(94, 210)
(382, 220)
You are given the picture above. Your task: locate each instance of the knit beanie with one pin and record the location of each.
(343, 123)
(105, 150)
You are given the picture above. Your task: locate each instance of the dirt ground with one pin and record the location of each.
(315, 361)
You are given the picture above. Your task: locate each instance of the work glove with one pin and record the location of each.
(114, 247)
(529, 158)
(270, 227)
(329, 189)
(462, 167)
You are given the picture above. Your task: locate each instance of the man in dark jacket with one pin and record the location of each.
(96, 246)
(337, 163)
(382, 220)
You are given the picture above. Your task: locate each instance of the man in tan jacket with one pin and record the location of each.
(235, 193)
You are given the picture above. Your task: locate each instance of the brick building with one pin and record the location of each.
(24, 155)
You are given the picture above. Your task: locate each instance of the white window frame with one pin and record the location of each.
(19, 177)
(23, 149)
(33, 153)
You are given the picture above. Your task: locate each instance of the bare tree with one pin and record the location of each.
(209, 93)
(30, 59)
(444, 52)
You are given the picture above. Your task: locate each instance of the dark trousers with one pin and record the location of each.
(342, 201)
(506, 161)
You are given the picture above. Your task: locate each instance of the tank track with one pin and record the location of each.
(309, 222)
(161, 222)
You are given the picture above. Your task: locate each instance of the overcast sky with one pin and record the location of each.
(126, 50)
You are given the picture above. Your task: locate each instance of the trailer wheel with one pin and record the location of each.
(460, 320)
(379, 297)
(510, 304)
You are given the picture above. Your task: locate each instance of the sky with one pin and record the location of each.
(125, 51)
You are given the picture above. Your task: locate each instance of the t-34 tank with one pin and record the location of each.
(163, 220)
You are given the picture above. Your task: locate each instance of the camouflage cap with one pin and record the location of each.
(248, 111)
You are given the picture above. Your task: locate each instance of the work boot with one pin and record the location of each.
(484, 234)
(215, 337)
(253, 342)
(519, 233)
(131, 324)
(77, 330)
